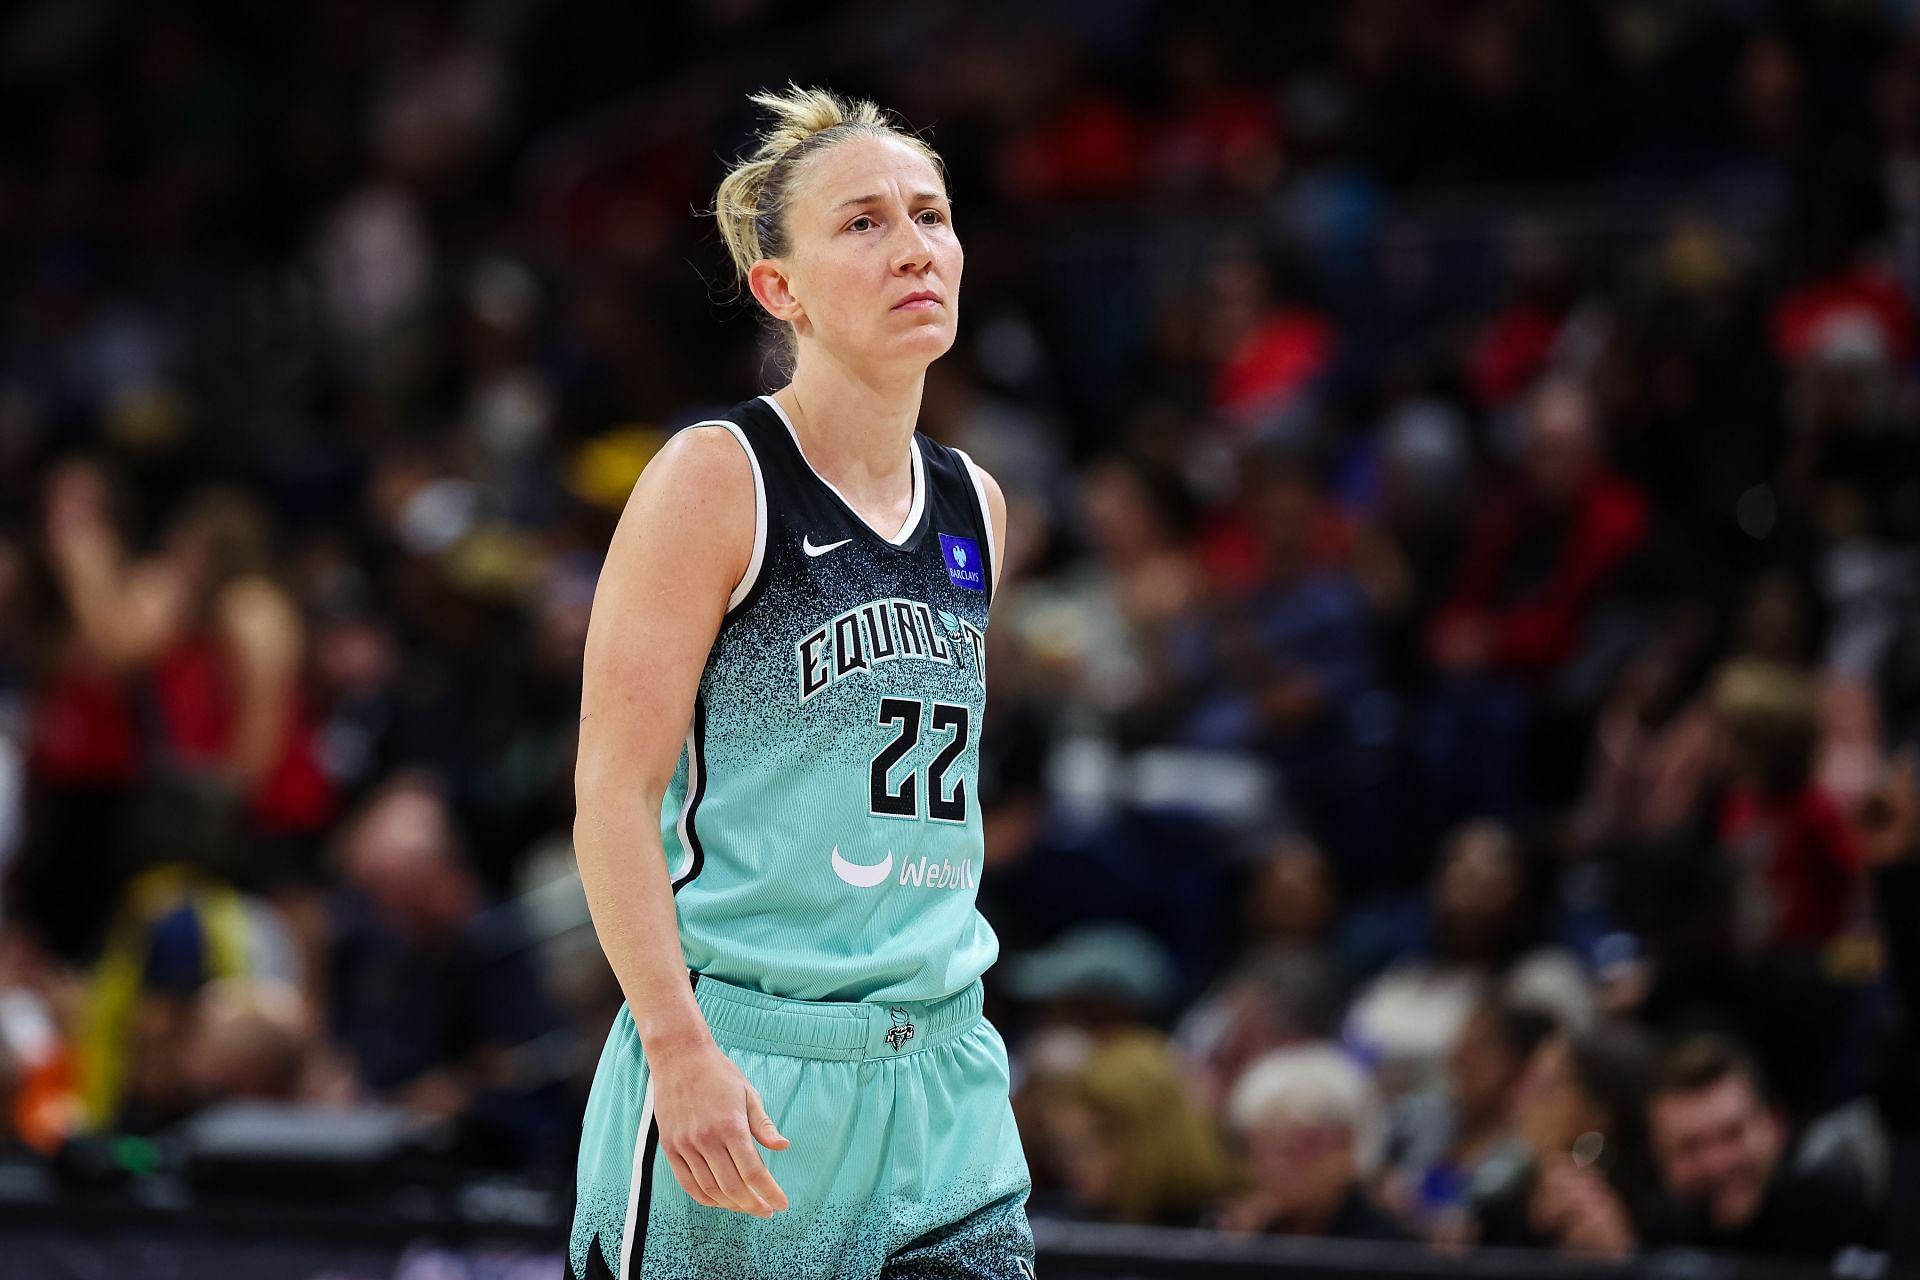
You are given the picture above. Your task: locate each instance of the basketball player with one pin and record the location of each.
(779, 827)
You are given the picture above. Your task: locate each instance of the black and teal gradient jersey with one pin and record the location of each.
(823, 827)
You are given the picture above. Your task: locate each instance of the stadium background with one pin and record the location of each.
(1461, 605)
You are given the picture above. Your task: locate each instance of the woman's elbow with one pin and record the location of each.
(604, 796)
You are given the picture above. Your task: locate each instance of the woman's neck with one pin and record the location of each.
(855, 431)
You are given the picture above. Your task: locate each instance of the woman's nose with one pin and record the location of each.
(914, 250)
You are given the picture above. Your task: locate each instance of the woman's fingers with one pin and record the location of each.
(699, 1186)
(754, 1176)
(761, 1125)
(734, 1192)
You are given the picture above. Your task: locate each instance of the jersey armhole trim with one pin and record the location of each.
(978, 477)
(744, 587)
(683, 827)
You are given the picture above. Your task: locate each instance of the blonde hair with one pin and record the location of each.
(1170, 1160)
(1773, 711)
(751, 203)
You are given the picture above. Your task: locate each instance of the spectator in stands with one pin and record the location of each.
(1479, 925)
(1543, 548)
(1131, 1145)
(1285, 986)
(1539, 555)
(1796, 861)
(203, 635)
(1288, 666)
(1445, 1141)
(1658, 756)
(1516, 346)
(433, 992)
(1723, 1157)
(1650, 748)
(1292, 900)
(1269, 1000)
(179, 924)
(251, 1038)
(1310, 1126)
(1269, 346)
(1099, 633)
(1584, 1183)
(1890, 824)
(1407, 552)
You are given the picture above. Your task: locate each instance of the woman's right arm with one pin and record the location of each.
(123, 613)
(682, 545)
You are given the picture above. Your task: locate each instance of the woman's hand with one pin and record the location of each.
(710, 1118)
(1576, 1208)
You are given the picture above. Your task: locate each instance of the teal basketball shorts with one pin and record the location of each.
(902, 1160)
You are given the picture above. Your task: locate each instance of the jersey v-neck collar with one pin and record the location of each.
(912, 524)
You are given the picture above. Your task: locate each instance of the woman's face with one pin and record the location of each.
(1083, 1155)
(1552, 1110)
(1299, 1163)
(1480, 1070)
(1292, 896)
(872, 272)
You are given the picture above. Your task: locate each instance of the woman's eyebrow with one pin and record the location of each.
(918, 196)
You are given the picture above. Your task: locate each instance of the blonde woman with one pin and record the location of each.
(778, 829)
(1129, 1143)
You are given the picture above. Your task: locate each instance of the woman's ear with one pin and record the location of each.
(772, 290)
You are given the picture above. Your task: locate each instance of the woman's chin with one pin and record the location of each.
(924, 343)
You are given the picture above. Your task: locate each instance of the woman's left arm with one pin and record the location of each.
(997, 511)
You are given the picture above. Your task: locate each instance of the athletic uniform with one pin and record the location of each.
(822, 833)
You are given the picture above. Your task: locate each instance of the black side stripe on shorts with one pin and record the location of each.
(643, 1203)
(644, 1206)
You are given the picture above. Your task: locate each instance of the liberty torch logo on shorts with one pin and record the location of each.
(962, 558)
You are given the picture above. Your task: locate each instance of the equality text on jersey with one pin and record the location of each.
(888, 630)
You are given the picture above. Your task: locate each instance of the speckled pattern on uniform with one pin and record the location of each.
(897, 1168)
(789, 721)
(797, 877)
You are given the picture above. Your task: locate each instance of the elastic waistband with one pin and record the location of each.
(842, 1031)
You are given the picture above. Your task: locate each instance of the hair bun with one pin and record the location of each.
(799, 113)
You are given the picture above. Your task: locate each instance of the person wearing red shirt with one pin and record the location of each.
(1541, 551)
(1797, 859)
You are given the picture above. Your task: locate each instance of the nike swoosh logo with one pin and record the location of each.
(806, 545)
(862, 876)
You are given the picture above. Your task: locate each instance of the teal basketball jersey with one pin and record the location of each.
(823, 827)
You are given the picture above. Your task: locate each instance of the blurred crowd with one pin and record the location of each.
(1444, 777)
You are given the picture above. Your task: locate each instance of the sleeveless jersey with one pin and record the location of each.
(823, 826)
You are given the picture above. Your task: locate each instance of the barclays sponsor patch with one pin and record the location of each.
(962, 558)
